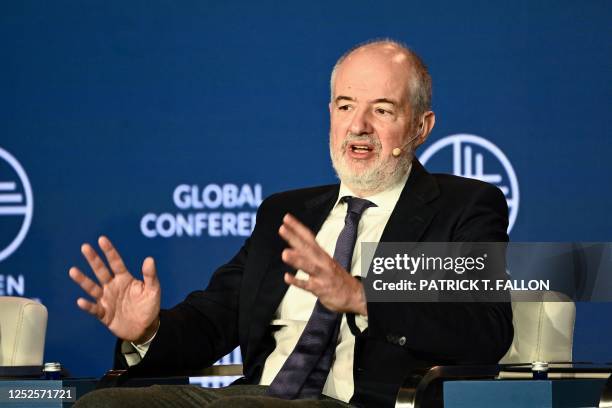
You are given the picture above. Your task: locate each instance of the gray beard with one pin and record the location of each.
(379, 176)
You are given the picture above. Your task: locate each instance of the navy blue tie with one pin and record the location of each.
(306, 369)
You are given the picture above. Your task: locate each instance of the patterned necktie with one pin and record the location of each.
(306, 369)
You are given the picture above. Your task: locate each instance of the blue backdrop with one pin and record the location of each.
(109, 106)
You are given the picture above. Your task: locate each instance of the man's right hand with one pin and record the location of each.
(127, 306)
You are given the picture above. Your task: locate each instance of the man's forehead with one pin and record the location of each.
(384, 70)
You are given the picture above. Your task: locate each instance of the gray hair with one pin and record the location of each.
(420, 86)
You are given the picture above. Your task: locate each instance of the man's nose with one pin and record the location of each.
(360, 123)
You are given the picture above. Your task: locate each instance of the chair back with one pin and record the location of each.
(543, 331)
(23, 324)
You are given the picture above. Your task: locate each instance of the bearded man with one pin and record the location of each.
(291, 298)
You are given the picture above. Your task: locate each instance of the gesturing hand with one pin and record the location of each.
(336, 289)
(127, 306)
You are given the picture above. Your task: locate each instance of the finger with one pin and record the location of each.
(296, 235)
(149, 273)
(301, 260)
(89, 286)
(96, 264)
(300, 283)
(293, 239)
(299, 228)
(112, 256)
(90, 308)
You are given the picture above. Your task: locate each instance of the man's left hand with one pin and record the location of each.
(336, 289)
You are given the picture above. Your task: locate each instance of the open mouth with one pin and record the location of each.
(360, 151)
(360, 147)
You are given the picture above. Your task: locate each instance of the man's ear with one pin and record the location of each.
(426, 126)
(330, 108)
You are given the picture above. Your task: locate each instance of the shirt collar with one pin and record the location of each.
(385, 200)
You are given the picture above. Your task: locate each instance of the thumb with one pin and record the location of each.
(149, 272)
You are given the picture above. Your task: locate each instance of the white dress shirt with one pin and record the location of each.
(297, 304)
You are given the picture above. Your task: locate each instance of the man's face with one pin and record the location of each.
(370, 116)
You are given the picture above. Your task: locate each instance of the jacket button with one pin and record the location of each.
(401, 341)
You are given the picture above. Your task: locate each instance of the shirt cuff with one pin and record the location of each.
(134, 353)
(361, 322)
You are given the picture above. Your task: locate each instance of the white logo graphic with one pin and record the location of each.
(15, 201)
(11, 285)
(214, 210)
(468, 159)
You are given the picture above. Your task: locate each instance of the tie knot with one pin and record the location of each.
(357, 205)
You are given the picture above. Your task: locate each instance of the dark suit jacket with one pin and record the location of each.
(238, 305)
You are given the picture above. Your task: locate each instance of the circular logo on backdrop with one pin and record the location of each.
(16, 204)
(475, 157)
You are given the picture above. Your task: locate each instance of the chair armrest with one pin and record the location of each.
(605, 401)
(423, 388)
(34, 371)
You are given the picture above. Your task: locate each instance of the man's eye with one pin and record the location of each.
(382, 111)
(344, 107)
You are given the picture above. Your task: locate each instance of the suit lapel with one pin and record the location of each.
(316, 210)
(413, 211)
